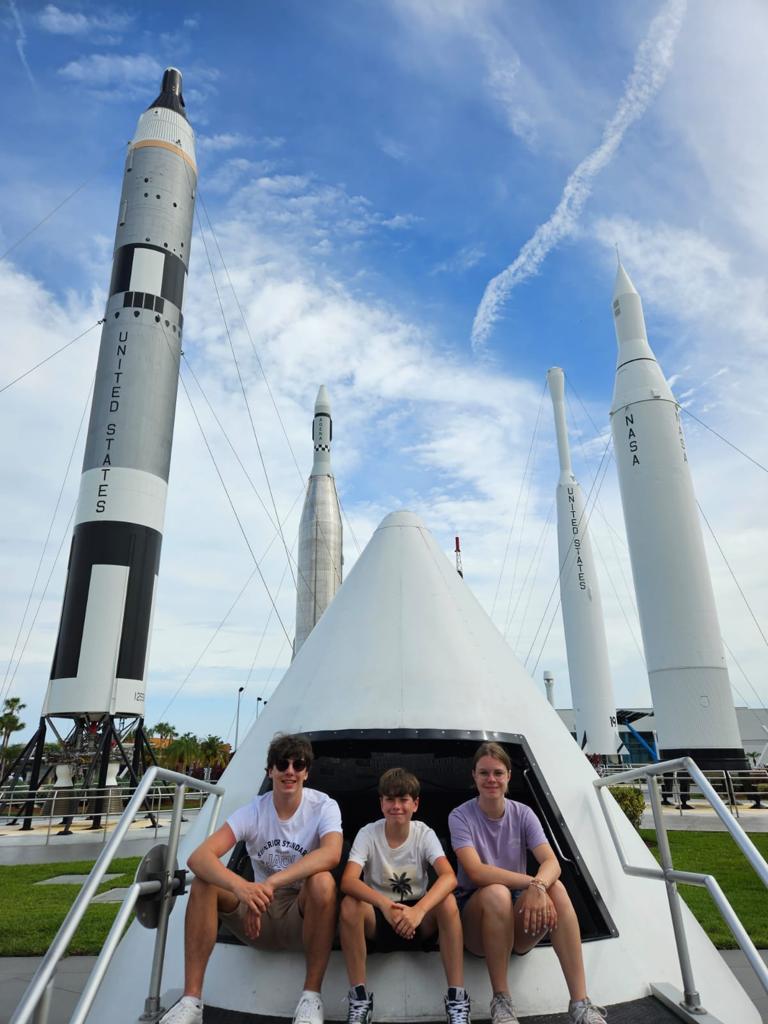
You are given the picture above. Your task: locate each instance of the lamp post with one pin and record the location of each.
(237, 719)
(259, 702)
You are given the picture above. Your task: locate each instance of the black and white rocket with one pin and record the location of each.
(588, 667)
(320, 533)
(100, 661)
(692, 699)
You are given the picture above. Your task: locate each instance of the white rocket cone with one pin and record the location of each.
(320, 535)
(405, 668)
(691, 693)
(590, 674)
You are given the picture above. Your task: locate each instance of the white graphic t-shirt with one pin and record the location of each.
(400, 874)
(273, 844)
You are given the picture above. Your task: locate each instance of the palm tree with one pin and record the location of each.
(9, 724)
(182, 753)
(164, 731)
(213, 750)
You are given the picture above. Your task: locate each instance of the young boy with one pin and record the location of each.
(393, 905)
(293, 836)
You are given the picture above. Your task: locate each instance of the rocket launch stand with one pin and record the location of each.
(88, 749)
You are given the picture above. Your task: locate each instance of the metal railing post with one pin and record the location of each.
(152, 1002)
(44, 1006)
(692, 1000)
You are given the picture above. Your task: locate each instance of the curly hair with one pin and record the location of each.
(289, 745)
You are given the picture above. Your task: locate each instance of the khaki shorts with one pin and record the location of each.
(282, 925)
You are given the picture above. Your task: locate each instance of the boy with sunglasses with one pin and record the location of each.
(293, 837)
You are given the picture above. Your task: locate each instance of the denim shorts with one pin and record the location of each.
(464, 895)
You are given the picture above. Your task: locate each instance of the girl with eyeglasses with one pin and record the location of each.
(505, 910)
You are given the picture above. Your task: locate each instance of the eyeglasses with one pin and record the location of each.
(282, 764)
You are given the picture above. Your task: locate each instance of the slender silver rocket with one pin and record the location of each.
(692, 699)
(586, 647)
(320, 535)
(100, 661)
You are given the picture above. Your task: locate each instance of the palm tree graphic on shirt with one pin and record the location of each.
(401, 884)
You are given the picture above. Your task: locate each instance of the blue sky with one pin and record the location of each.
(369, 170)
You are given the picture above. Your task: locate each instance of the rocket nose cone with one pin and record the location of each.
(623, 283)
(170, 93)
(556, 381)
(322, 402)
(171, 81)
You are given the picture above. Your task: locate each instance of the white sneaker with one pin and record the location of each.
(309, 1009)
(502, 1010)
(188, 1010)
(584, 1011)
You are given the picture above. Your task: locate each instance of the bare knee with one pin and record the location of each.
(206, 896)
(448, 911)
(559, 896)
(351, 911)
(495, 898)
(321, 888)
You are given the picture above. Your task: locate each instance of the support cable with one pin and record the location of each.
(337, 569)
(517, 503)
(724, 439)
(232, 506)
(47, 358)
(244, 392)
(9, 676)
(538, 551)
(526, 503)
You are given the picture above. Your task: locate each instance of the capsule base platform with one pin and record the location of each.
(637, 1011)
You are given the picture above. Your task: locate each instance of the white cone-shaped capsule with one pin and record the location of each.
(405, 667)
(588, 667)
(692, 699)
(320, 531)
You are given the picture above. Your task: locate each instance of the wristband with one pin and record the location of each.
(541, 886)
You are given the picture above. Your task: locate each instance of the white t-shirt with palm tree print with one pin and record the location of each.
(401, 873)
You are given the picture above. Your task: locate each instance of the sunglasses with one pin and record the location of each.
(282, 764)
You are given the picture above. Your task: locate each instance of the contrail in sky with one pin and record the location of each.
(652, 62)
(21, 41)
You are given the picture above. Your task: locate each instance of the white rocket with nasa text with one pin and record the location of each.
(692, 700)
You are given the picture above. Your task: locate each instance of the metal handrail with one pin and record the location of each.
(670, 876)
(37, 994)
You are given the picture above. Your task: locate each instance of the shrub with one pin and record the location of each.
(631, 801)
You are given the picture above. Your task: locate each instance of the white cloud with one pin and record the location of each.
(466, 258)
(21, 41)
(74, 23)
(652, 61)
(99, 71)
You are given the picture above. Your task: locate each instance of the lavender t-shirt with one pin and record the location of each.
(502, 842)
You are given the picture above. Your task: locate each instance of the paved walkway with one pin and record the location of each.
(703, 819)
(15, 973)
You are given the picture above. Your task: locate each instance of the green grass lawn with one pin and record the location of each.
(31, 914)
(715, 853)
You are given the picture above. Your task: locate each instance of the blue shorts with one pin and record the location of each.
(463, 896)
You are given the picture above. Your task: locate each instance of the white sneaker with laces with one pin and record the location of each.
(584, 1011)
(502, 1010)
(188, 1010)
(309, 1009)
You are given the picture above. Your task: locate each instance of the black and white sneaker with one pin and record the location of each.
(457, 1006)
(360, 1005)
